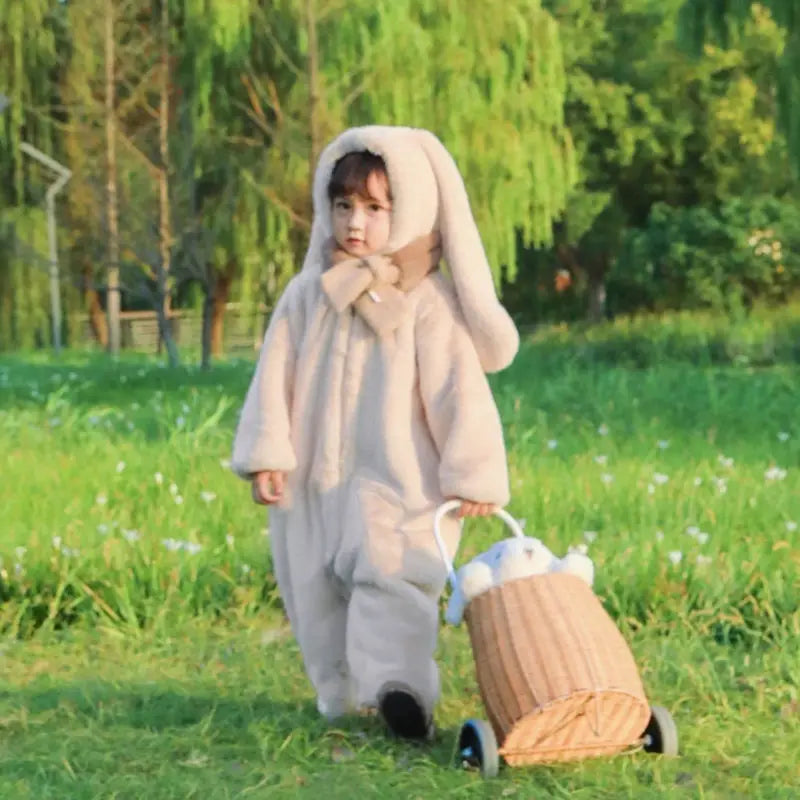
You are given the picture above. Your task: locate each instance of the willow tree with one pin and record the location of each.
(487, 78)
(723, 21)
(29, 44)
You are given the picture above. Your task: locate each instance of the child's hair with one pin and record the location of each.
(351, 172)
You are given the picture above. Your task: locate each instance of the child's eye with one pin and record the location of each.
(343, 204)
(374, 207)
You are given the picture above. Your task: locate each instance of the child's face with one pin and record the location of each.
(361, 225)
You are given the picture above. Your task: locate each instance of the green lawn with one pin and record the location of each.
(144, 653)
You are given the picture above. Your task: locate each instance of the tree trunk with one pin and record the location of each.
(596, 311)
(219, 302)
(164, 228)
(314, 88)
(208, 313)
(97, 319)
(113, 290)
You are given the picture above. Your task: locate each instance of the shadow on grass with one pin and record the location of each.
(228, 723)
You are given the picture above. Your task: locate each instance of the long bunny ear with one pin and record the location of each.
(493, 331)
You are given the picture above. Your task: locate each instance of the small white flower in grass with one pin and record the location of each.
(173, 488)
(208, 497)
(703, 560)
(172, 544)
(230, 540)
(225, 463)
(245, 569)
(675, 557)
(192, 548)
(130, 535)
(601, 459)
(791, 525)
(607, 478)
(19, 552)
(185, 408)
(120, 466)
(775, 474)
(590, 536)
(180, 422)
(651, 489)
(698, 481)
(659, 536)
(102, 529)
(57, 542)
(783, 436)
(726, 462)
(552, 444)
(101, 499)
(662, 444)
(69, 552)
(54, 422)
(659, 478)
(19, 570)
(603, 430)
(158, 478)
(692, 530)
(702, 537)
(178, 500)
(93, 419)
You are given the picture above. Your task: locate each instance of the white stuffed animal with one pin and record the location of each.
(578, 564)
(521, 558)
(507, 560)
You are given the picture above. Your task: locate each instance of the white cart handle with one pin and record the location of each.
(451, 505)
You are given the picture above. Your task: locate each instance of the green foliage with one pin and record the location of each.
(701, 257)
(24, 292)
(723, 21)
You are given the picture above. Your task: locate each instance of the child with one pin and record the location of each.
(369, 406)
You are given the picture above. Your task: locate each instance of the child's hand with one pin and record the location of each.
(470, 508)
(267, 486)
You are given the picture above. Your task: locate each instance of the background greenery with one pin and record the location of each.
(621, 155)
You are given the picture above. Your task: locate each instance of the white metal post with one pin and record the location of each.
(64, 175)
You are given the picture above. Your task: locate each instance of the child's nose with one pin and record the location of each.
(357, 218)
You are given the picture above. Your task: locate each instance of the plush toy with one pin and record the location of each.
(507, 560)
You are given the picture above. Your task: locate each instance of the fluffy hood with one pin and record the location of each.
(428, 194)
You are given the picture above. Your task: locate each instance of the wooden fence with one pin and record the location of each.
(139, 330)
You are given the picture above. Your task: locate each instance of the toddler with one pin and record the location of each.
(368, 408)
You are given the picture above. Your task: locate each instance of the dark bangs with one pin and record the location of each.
(350, 174)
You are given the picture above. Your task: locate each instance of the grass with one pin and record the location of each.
(144, 652)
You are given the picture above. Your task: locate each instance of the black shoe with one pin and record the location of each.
(403, 713)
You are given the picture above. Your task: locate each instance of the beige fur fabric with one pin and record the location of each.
(375, 433)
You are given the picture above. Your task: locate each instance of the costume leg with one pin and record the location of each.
(314, 599)
(393, 616)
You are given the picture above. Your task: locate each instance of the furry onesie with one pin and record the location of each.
(375, 431)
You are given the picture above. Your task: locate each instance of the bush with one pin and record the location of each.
(698, 257)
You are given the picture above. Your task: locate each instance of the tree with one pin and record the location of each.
(724, 22)
(653, 125)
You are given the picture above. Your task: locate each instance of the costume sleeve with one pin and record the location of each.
(458, 402)
(263, 434)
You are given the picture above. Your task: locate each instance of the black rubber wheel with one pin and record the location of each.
(477, 748)
(661, 733)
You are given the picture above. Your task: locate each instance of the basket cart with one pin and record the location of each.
(557, 679)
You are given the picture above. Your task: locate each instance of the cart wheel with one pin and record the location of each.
(661, 733)
(477, 747)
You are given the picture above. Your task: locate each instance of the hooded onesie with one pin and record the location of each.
(376, 424)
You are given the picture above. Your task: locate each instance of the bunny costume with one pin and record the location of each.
(377, 426)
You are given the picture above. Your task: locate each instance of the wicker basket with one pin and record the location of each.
(558, 680)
